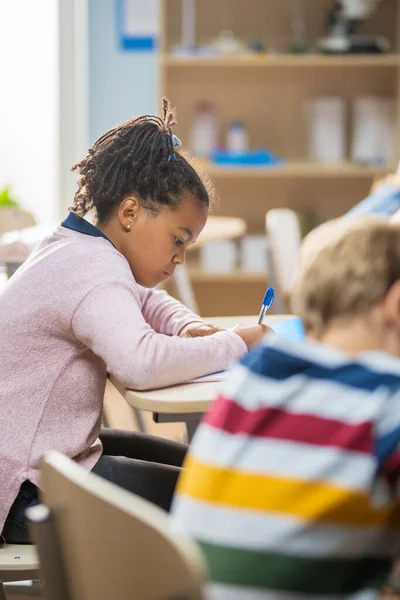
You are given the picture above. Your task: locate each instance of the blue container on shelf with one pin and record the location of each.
(252, 158)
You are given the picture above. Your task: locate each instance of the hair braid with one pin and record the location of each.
(135, 158)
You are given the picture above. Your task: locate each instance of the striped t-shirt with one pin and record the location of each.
(290, 484)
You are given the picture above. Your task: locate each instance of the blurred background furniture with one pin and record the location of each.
(216, 229)
(283, 239)
(15, 219)
(270, 93)
(18, 562)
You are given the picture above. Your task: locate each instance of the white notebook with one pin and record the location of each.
(220, 376)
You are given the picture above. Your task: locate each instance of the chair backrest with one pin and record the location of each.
(284, 239)
(114, 544)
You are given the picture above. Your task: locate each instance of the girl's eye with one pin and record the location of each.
(178, 242)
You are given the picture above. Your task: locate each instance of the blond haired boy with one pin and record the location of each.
(291, 486)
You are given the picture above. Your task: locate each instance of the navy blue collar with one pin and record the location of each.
(73, 221)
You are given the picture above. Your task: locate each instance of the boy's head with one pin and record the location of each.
(354, 279)
(326, 234)
(148, 198)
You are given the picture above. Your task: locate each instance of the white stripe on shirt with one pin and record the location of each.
(284, 458)
(278, 533)
(300, 394)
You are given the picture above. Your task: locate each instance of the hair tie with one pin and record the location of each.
(176, 142)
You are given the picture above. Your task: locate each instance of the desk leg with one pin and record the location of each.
(191, 421)
(139, 420)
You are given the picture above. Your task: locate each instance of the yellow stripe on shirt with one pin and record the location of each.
(310, 500)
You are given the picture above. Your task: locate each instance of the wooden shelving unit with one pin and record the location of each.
(269, 93)
(238, 276)
(297, 170)
(282, 61)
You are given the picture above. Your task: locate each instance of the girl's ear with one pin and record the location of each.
(128, 211)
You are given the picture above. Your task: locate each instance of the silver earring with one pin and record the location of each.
(128, 227)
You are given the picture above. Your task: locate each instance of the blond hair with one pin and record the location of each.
(326, 234)
(349, 276)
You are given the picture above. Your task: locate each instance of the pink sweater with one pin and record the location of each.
(72, 313)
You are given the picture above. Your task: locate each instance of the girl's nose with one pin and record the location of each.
(179, 258)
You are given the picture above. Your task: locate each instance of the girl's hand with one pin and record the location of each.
(253, 334)
(202, 330)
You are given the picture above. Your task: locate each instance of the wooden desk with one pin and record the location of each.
(220, 228)
(186, 402)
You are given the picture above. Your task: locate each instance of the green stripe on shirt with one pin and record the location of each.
(235, 566)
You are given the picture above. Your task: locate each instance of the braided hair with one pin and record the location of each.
(137, 157)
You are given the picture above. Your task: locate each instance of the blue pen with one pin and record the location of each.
(266, 304)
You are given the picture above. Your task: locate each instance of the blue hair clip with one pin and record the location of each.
(176, 142)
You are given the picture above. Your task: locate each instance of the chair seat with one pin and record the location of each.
(18, 561)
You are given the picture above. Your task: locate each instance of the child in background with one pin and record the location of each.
(82, 306)
(384, 198)
(383, 202)
(292, 483)
(326, 234)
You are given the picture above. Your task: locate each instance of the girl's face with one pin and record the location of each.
(155, 244)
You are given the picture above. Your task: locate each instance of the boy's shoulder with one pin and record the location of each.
(311, 378)
(308, 393)
(278, 358)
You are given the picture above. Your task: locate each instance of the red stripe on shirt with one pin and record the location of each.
(276, 423)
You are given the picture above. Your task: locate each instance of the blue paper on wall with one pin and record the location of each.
(138, 24)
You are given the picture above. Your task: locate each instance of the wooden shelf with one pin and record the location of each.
(197, 275)
(284, 61)
(270, 93)
(296, 170)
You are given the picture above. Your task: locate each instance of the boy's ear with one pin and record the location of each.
(391, 306)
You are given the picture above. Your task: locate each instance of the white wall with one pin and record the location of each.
(29, 104)
(43, 111)
(74, 98)
(121, 84)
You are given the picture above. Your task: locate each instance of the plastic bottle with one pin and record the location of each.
(204, 131)
(237, 138)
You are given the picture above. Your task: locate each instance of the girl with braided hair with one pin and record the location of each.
(83, 306)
